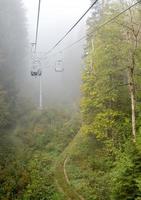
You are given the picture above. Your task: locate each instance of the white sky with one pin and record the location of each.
(57, 16)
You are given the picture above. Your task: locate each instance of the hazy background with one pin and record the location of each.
(55, 19)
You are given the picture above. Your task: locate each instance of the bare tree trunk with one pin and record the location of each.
(133, 101)
(131, 84)
(133, 114)
(132, 36)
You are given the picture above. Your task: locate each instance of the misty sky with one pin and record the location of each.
(56, 18)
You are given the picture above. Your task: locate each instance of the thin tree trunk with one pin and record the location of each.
(132, 37)
(133, 101)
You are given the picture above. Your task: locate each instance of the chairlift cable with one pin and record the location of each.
(37, 26)
(78, 21)
(97, 29)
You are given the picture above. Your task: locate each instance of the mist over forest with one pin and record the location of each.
(58, 88)
(70, 113)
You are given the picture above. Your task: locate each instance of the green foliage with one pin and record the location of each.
(29, 154)
(113, 170)
(5, 116)
(40, 185)
(126, 175)
(103, 162)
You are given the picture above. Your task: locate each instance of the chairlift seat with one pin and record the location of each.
(59, 69)
(36, 73)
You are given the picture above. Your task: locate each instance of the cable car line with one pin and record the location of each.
(36, 62)
(97, 29)
(37, 26)
(66, 34)
(37, 72)
(36, 68)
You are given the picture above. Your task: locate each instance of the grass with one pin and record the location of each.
(68, 190)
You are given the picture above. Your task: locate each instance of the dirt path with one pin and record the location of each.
(67, 178)
(65, 172)
(61, 176)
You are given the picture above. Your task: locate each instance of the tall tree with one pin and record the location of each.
(13, 47)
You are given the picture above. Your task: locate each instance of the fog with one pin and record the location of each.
(56, 18)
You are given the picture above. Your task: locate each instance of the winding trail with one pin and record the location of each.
(67, 179)
(61, 177)
(65, 171)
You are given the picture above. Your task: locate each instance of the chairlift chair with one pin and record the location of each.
(59, 69)
(36, 73)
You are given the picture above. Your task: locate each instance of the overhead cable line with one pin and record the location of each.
(37, 26)
(104, 24)
(98, 28)
(36, 61)
(73, 26)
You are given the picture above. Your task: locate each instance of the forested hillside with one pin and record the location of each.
(29, 154)
(13, 47)
(92, 151)
(110, 157)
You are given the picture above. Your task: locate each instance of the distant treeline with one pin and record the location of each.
(13, 52)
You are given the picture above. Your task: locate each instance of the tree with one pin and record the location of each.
(111, 96)
(5, 116)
